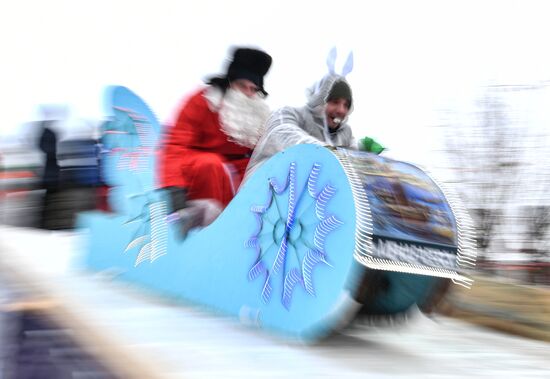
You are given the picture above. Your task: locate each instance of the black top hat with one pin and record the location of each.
(247, 63)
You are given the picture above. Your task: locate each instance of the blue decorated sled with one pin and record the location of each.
(311, 227)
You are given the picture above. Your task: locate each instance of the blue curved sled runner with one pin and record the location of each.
(297, 239)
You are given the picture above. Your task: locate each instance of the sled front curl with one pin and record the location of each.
(280, 257)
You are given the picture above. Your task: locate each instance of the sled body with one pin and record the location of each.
(297, 238)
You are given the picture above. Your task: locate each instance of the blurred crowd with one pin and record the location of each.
(49, 175)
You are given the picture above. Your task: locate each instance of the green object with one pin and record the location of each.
(370, 145)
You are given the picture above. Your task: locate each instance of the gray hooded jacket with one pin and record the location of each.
(292, 126)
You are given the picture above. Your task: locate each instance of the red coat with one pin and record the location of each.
(197, 154)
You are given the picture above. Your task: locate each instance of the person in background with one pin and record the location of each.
(204, 155)
(47, 142)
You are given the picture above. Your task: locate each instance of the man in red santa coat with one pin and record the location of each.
(205, 153)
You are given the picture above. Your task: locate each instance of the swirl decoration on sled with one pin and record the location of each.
(129, 139)
(294, 242)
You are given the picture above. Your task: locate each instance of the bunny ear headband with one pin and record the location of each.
(331, 61)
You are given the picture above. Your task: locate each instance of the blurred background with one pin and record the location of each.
(461, 88)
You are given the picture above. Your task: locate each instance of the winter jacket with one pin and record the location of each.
(292, 126)
(197, 130)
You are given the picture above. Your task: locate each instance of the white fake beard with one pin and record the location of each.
(243, 118)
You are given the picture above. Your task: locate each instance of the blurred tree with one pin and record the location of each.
(535, 244)
(537, 227)
(485, 154)
(490, 150)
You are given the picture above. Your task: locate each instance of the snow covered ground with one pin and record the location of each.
(140, 335)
